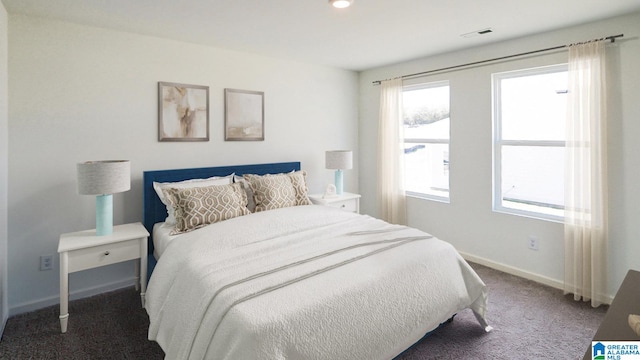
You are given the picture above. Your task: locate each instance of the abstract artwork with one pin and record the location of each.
(243, 115)
(183, 112)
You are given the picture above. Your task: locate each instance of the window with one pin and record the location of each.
(529, 110)
(426, 140)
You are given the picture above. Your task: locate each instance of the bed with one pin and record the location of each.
(294, 282)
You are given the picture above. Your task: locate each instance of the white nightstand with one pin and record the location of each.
(345, 201)
(84, 250)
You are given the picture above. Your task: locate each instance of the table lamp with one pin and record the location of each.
(339, 160)
(104, 178)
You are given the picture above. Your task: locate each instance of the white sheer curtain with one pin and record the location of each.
(391, 197)
(585, 228)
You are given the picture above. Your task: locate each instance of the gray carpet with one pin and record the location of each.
(530, 321)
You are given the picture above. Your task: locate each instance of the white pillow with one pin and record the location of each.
(160, 189)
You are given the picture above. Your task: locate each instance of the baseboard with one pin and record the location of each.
(523, 274)
(74, 295)
(513, 271)
(4, 324)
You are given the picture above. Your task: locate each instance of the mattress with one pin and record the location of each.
(306, 282)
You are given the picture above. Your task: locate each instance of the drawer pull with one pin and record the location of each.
(106, 253)
(343, 206)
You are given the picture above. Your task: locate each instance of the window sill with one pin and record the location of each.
(420, 196)
(529, 214)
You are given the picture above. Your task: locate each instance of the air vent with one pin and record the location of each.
(477, 32)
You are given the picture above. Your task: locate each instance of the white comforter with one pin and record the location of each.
(308, 282)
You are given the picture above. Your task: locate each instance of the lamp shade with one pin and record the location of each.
(104, 177)
(339, 159)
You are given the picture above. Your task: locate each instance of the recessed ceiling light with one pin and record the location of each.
(340, 3)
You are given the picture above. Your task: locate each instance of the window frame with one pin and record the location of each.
(421, 86)
(498, 142)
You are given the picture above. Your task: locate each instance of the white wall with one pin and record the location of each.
(467, 221)
(4, 159)
(79, 93)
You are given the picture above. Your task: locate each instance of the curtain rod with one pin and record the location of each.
(612, 38)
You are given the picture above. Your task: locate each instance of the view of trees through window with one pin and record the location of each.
(426, 140)
(529, 117)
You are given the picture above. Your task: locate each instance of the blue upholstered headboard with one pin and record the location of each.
(154, 210)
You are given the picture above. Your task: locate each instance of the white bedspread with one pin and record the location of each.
(308, 282)
(161, 238)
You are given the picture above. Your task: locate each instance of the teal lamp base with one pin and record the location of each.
(338, 181)
(104, 215)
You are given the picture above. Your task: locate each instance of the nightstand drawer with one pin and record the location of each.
(107, 254)
(346, 201)
(347, 205)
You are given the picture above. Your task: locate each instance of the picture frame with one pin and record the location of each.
(243, 115)
(183, 112)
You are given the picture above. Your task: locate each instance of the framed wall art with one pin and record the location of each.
(243, 115)
(183, 112)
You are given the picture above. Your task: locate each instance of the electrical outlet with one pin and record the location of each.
(46, 262)
(533, 242)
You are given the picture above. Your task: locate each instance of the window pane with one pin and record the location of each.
(426, 118)
(533, 107)
(427, 168)
(533, 178)
(426, 113)
(530, 105)
(437, 130)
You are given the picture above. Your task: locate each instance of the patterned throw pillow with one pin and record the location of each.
(160, 190)
(278, 191)
(200, 206)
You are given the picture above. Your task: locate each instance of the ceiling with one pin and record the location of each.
(368, 34)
